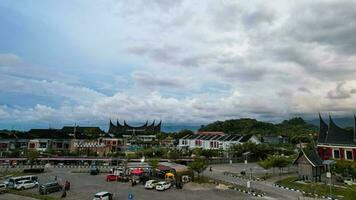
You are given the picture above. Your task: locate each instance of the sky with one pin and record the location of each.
(181, 61)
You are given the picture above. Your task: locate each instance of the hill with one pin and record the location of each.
(296, 128)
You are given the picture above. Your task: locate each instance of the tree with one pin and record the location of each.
(93, 133)
(174, 154)
(32, 156)
(154, 162)
(279, 162)
(198, 165)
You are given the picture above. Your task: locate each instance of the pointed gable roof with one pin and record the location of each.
(311, 156)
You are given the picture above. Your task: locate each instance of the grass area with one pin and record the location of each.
(32, 195)
(12, 173)
(348, 193)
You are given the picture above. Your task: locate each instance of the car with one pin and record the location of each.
(151, 184)
(103, 196)
(25, 184)
(49, 188)
(112, 177)
(2, 188)
(94, 170)
(349, 181)
(10, 183)
(163, 185)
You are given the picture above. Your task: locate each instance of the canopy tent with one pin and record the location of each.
(137, 171)
(169, 175)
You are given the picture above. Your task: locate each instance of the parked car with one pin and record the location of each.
(151, 184)
(103, 196)
(2, 188)
(349, 181)
(112, 177)
(163, 185)
(11, 182)
(94, 170)
(25, 184)
(49, 188)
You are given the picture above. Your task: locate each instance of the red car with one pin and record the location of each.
(112, 177)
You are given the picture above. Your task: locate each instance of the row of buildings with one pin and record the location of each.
(214, 140)
(78, 139)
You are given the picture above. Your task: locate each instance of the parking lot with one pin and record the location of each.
(84, 186)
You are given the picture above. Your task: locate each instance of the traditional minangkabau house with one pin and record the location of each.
(335, 142)
(135, 136)
(310, 165)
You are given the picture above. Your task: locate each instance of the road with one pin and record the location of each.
(264, 186)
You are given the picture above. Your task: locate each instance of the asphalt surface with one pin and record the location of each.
(265, 186)
(84, 186)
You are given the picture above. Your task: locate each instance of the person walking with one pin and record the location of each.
(64, 194)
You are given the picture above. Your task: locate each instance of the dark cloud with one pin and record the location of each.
(339, 92)
(151, 81)
(304, 89)
(262, 15)
(327, 23)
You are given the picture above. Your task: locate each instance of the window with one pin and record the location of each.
(336, 154)
(43, 145)
(211, 144)
(348, 155)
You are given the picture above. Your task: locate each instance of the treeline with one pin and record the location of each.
(296, 128)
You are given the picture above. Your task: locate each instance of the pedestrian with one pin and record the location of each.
(64, 194)
(55, 178)
(210, 169)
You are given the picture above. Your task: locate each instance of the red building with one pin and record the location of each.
(335, 142)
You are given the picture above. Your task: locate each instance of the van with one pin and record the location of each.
(13, 180)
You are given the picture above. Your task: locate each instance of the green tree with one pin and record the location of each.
(198, 165)
(32, 156)
(93, 133)
(174, 154)
(153, 162)
(279, 162)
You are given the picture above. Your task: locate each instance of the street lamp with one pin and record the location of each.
(328, 174)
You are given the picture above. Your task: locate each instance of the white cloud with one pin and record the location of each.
(263, 59)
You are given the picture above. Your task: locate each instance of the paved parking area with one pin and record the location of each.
(14, 197)
(84, 186)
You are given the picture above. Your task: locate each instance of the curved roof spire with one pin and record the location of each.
(323, 130)
(118, 123)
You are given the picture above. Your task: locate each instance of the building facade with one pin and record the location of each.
(335, 142)
(214, 140)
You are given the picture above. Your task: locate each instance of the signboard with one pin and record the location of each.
(230, 162)
(130, 196)
(328, 175)
(248, 184)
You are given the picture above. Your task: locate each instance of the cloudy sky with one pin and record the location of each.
(192, 61)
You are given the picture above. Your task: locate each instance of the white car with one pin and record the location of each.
(103, 196)
(2, 188)
(151, 184)
(25, 184)
(163, 186)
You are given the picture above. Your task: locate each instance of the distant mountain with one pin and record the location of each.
(172, 127)
(340, 121)
(296, 128)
